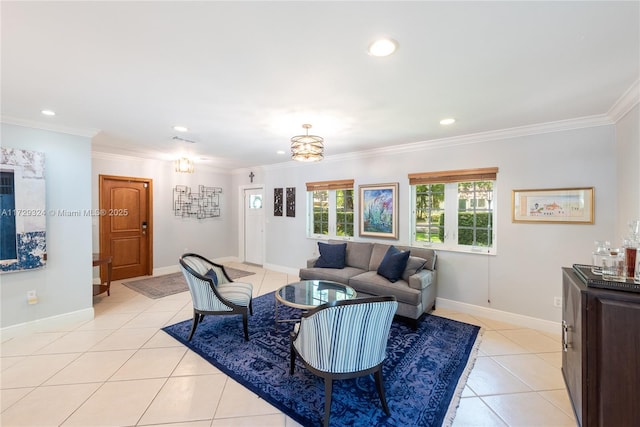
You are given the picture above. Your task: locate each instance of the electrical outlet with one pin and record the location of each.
(32, 297)
(557, 301)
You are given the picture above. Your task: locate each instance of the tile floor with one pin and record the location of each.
(120, 369)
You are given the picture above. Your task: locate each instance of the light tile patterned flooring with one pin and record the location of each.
(120, 369)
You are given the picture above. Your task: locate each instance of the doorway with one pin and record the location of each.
(253, 225)
(126, 229)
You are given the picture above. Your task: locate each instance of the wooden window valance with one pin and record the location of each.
(482, 174)
(342, 184)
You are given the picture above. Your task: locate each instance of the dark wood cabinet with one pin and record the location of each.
(601, 353)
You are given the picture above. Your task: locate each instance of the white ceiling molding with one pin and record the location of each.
(476, 138)
(625, 103)
(88, 133)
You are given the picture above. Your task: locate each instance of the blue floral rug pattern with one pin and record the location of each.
(424, 372)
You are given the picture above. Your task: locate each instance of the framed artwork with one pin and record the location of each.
(291, 201)
(555, 205)
(379, 210)
(23, 216)
(278, 201)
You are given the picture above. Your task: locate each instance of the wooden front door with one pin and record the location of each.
(126, 231)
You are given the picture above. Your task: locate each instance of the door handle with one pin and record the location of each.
(144, 227)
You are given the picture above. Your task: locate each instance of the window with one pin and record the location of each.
(454, 210)
(330, 209)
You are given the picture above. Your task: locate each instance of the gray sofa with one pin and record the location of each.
(415, 291)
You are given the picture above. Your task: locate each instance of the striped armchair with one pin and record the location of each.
(213, 292)
(345, 339)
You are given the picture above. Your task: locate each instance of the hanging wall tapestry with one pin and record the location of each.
(291, 201)
(23, 215)
(203, 204)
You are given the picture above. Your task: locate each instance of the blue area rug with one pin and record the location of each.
(424, 372)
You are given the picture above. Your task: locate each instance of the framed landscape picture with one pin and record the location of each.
(379, 210)
(555, 205)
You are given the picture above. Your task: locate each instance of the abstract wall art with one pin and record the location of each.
(379, 210)
(205, 203)
(291, 201)
(23, 214)
(278, 201)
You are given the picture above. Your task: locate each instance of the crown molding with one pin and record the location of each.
(88, 133)
(481, 137)
(625, 103)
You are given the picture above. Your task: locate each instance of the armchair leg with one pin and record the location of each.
(196, 319)
(380, 386)
(245, 326)
(292, 359)
(328, 385)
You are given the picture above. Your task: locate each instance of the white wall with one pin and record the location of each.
(525, 275)
(64, 285)
(172, 235)
(628, 177)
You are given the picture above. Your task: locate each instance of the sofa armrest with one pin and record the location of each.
(312, 262)
(422, 279)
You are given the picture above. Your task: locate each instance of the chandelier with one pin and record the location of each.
(184, 165)
(307, 148)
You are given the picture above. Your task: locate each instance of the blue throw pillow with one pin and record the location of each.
(331, 256)
(211, 274)
(393, 264)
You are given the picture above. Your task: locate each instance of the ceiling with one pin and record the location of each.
(245, 76)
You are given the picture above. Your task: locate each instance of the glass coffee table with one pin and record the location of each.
(308, 294)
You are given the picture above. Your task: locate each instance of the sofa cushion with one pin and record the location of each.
(377, 254)
(414, 265)
(331, 255)
(426, 253)
(340, 275)
(372, 283)
(393, 264)
(358, 254)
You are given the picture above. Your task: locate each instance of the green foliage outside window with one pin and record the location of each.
(470, 234)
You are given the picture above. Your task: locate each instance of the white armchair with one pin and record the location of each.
(345, 339)
(213, 292)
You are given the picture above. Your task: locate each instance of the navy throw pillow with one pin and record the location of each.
(211, 274)
(331, 256)
(393, 264)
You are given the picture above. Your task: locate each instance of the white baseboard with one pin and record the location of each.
(161, 271)
(53, 323)
(281, 269)
(499, 315)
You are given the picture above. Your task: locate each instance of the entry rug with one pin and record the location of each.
(174, 283)
(424, 373)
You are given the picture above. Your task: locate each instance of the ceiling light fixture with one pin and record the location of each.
(180, 129)
(48, 112)
(307, 148)
(383, 47)
(184, 165)
(449, 121)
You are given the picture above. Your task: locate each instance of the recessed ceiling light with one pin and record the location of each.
(447, 121)
(48, 112)
(180, 129)
(383, 47)
(279, 152)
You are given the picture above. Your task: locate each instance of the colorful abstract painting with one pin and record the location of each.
(379, 210)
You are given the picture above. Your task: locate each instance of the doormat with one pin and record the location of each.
(174, 283)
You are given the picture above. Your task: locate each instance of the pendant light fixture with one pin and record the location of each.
(307, 148)
(184, 165)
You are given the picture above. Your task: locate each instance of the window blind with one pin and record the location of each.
(343, 184)
(481, 174)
